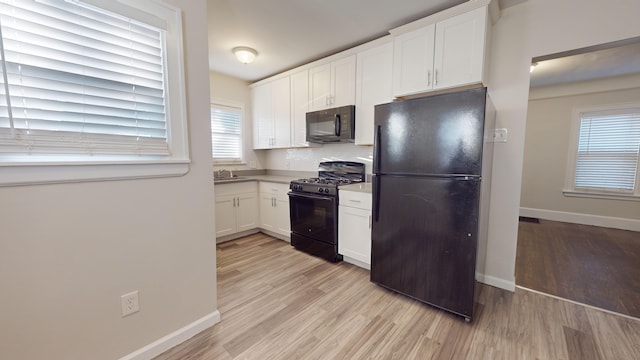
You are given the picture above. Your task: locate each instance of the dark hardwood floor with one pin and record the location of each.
(279, 303)
(591, 265)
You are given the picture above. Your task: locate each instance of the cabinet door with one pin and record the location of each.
(373, 87)
(225, 215)
(281, 102)
(247, 215)
(299, 108)
(262, 116)
(319, 87)
(354, 233)
(282, 216)
(459, 49)
(413, 61)
(343, 82)
(267, 212)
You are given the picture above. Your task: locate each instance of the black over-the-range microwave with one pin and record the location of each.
(332, 125)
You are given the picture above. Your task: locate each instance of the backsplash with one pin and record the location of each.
(307, 159)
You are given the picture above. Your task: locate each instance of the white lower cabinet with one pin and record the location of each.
(274, 209)
(236, 208)
(354, 227)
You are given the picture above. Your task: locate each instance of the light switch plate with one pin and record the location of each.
(500, 135)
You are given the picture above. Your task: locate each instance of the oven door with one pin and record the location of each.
(314, 216)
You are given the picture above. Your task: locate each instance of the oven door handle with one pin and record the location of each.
(310, 196)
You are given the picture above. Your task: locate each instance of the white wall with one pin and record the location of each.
(535, 28)
(307, 159)
(228, 88)
(68, 251)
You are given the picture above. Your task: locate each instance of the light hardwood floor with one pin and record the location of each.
(278, 303)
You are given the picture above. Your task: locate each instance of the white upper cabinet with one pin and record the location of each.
(333, 84)
(262, 116)
(281, 99)
(446, 54)
(413, 61)
(299, 108)
(459, 49)
(373, 87)
(272, 114)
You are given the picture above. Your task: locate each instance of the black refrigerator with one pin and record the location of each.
(431, 182)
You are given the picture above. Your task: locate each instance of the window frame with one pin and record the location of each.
(570, 189)
(54, 168)
(241, 107)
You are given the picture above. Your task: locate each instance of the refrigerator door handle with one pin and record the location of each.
(337, 125)
(376, 198)
(377, 147)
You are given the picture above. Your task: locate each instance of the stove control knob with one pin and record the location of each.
(320, 190)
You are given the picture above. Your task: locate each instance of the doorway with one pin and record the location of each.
(560, 250)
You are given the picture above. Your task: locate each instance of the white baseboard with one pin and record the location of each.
(496, 282)
(356, 262)
(584, 219)
(276, 235)
(175, 338)
(225, 238)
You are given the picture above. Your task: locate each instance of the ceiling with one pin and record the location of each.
(597, 62)
(290, 33)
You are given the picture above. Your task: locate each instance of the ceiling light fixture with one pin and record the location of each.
(533, 66)
(245, 54)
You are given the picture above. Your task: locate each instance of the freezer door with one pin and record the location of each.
(424, 239)
(441, 134)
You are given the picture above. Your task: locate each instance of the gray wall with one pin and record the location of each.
(547, 145)
(68, 251)
(228, 88)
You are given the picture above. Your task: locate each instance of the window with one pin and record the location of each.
(226, 132)
(606, 152)
(87, 83)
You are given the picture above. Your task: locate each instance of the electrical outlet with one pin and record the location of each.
(129, 303)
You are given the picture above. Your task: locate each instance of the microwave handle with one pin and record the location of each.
(337, 125)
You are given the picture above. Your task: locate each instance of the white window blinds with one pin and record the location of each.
(226, 133)
(78, 79)
(608, 147)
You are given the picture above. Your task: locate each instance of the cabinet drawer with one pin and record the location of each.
(236, 188)
(356, 199)
(273, 188)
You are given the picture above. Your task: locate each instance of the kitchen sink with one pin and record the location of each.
(225, 176)
(228, 178)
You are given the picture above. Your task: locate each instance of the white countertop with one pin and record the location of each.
(358, 187)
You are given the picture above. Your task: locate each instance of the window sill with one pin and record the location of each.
(221, 162)
(53, 173)
(598, 195)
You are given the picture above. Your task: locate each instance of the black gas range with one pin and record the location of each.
(313, 205)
